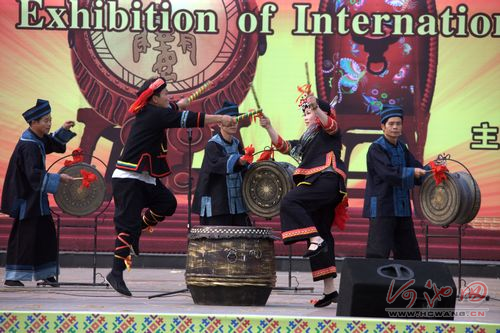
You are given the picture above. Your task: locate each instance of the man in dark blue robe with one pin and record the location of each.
(392, 173)
(32, 246)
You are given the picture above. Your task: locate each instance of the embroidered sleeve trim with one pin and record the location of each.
(282, 146)
(331, 126)
(184, 117)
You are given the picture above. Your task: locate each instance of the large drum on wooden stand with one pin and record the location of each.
(230, 265)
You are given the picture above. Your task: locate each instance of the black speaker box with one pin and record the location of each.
(365, 289)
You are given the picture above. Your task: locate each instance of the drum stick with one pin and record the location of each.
(257, 104)
(308, 79)
(247, 115)
(199, 91)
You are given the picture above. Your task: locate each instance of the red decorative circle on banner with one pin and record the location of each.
(110, 66)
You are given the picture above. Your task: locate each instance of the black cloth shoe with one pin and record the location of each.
(118, 284)
(13, 283)
(327, 299)
(51, 281)
(311, 253)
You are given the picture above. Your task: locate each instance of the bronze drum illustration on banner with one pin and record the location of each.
(78, 198)
(230, 265)
(456, 200)
(110, 66)
(364, 72)
(264, 186)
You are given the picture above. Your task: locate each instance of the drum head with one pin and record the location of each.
(440, 203)
(75, 199)
(265, 185)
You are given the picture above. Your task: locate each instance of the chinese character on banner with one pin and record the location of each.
(484, 136)
(167, 57)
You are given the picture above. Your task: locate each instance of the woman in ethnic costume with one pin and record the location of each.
(308, 211)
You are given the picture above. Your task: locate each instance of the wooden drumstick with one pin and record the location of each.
(247, 115)
(308, 80)
(199, 91)
(257, 104)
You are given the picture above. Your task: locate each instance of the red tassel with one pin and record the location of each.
(267, 154)
(88, 178)
(77, 155)
(439, 171)
(249, 151)
(341, 213)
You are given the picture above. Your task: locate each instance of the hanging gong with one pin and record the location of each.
(265, 185)
(456, 200)
(76, 199)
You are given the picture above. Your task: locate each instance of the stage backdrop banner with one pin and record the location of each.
(438, 59)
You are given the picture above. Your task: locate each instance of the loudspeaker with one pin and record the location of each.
(396, 289)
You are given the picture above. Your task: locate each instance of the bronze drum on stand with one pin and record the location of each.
(75, 199)
(455, 200)
(265, 185)
(230, 265)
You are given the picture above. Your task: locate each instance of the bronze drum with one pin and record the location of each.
(455, 200)
(77, 200)
(230, 265)
(265, 185)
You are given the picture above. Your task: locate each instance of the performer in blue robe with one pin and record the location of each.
(392, 173)
(32, 247)
(218, 197)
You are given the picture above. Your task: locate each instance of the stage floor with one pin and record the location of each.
(85, 304)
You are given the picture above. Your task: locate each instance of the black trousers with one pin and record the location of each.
(396, 234)
(308, 210)
(237, 220)
(131, 197)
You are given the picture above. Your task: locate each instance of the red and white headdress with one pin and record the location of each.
(143, 98)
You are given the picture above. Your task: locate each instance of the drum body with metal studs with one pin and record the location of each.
(230, 265)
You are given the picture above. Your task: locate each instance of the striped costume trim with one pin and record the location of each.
(198, 120)
(282, 146)
(126, 165)
(134, 167)
(330, 161)
(331, 126)
(298, 232)
(324, 271)
(184, 118)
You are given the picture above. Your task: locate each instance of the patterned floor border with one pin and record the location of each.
(88, 322)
